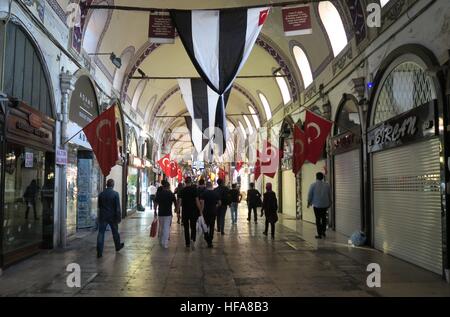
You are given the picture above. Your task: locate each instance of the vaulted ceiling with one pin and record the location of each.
(126, 34)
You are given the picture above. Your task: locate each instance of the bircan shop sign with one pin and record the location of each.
(418, 123)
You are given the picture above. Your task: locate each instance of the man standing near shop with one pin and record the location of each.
(190, 207)
(152, 192)
(109, 213)
(319, 196)
(223, 192)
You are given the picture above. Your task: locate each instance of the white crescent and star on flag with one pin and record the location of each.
(102, 123)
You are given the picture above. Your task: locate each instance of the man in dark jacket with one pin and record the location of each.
(109, 213)
(190, 207)
(253, 201)
(223, 192)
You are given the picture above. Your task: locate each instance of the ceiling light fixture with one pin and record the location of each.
(117, 61)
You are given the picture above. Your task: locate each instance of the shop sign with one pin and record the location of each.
(161, 28)
(61, 157)
(28, 160)
(415, 124)
(297, 20)
(26, 124)
(83, 103)
(345, 142)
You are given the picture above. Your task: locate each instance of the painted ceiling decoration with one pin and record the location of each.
(125, 34)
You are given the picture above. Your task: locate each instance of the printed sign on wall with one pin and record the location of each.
(297, 20)
(161, 29)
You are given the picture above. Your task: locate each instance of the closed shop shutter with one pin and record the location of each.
(289, 194)
(407, 203)
(347, 171)
(308, 177)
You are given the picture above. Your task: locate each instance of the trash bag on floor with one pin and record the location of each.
(358, 238)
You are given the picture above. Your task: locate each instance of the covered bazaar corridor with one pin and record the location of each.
(243, 263)
(336, 111)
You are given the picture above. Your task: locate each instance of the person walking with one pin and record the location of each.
(223, 192)
(269, 209)
(152, 192)
(178, 190)
(109, 213)
(319, 196)
(235, 198)
(210, 201)
(163, 204)
(190, 207)
(30, 197)
(253, 202)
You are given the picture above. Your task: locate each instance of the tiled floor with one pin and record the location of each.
(243, 263)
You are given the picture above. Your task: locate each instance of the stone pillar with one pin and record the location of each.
(67, 86)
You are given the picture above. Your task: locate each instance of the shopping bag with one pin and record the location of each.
(154, 228)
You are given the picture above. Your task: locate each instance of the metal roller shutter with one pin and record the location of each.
(407, 203)
(347, 171)
(308, 177)
(289, 195)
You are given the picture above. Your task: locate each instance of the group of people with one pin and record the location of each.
(191, 201)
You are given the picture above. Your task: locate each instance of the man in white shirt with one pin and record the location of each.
(152, 192)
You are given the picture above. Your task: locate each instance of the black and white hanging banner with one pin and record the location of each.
(219, 43)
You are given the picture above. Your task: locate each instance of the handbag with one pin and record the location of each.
(154, 228)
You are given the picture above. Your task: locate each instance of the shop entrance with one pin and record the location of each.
(28, 205)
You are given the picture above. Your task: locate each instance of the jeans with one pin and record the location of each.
(255, 213)
(221, 213)
(101, 235)
(234, 209)
(321, 220)
(152, 201)
(164, 225)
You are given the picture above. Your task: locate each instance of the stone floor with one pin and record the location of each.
(243, 263)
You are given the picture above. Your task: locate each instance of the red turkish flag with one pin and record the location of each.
(164, 163)
(300, 149)
(270, 159)
(317, 130)
(173, 169)
(239, 166)
(179, 175)
(257, 166)
(101, 134)
(263, 16)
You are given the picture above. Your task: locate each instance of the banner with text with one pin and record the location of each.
(161, 29)
(297, 20)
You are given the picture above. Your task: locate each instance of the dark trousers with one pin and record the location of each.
(101, 235)
(33, 205)
(190, 223)
(221, 212)
(255, 213)
(210, 220)
(272, 228)
(152, 201)
(321, 220)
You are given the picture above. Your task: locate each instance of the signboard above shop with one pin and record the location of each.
(408, 127)
(83, 103)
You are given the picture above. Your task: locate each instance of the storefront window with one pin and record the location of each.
(25, 196)
(406, 87)
(72, 191)
(132, 182)
(348, 119)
